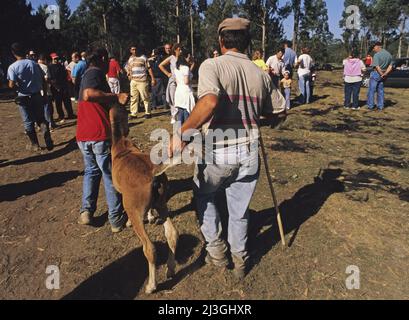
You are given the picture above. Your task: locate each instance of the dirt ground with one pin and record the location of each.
(341, 177)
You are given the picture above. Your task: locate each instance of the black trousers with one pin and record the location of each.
(62, 96)
(158, 93)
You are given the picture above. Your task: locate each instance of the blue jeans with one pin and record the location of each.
(376, 85)
(287, 94)
(182, 115)
(32, 111)
(238, 181)
(305, 88)
(352, 89)
(97, 162)
(49, 110)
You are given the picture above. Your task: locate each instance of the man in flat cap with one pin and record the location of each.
(233, 93)
(382, 67)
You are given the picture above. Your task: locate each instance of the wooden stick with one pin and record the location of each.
(270, 182)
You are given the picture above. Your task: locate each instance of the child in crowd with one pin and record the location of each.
(286, 88)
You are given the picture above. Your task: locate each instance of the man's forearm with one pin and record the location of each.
(202, 113)
(388, 70)
(98, 96)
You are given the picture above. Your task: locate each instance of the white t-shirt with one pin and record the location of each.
(305, 64)
(184, 94)
(71, 66)
(276, 65)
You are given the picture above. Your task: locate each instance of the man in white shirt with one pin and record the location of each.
(276, 66)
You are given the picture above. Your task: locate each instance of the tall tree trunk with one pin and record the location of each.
(362, 45)
(263, 37)
(297, 15)
(177, 22)
(191, 28)
(401, 35)
(384, 39)
(104, 18)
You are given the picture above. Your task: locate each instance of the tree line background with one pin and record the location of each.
(115, 24)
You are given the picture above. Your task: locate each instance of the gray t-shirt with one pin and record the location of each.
(383, 59)
(244, 92)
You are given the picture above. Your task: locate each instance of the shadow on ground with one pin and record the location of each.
(125, 277)
(13, 191)
(306, 203)
(70, 146)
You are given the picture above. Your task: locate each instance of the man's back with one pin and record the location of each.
(93, 120)
(114, 69)
(289, 57)
(58, 74)
(383, 59)
(27, 74)
(79, 69)
(242, 89)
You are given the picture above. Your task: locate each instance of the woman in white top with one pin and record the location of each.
(304, 63)
(184, 99)
(171, 88)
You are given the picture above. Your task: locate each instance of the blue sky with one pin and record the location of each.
(335, 8)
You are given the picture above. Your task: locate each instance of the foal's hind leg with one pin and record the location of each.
(136, 215)
(172, 237)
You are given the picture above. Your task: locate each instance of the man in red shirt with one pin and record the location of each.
(94, 140)
(113, 75)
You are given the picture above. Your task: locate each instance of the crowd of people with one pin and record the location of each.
(228, 78)
(281, 66)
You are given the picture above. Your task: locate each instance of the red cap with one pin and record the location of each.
(53, 55)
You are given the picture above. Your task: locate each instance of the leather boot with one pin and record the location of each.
(34, 145)
(241, 265)
(47, 137)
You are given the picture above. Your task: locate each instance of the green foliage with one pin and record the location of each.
(115, 24)
(315, 29)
